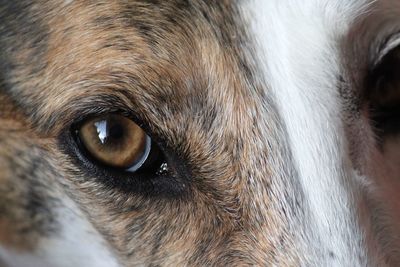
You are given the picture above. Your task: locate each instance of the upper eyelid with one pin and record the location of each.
(91, 106)
(78, 119)
(386, 46)
(86, 111)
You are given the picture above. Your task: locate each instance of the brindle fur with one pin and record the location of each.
(180, 68)
(162, 63)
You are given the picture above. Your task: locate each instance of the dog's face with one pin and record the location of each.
(199, 133)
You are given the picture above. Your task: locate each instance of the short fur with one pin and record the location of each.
(258, 105)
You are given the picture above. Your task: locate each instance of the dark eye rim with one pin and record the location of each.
(145, 183)
(384, 48)
(383, 117)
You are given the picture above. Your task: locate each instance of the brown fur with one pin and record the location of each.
(187, 79)
(183, 71)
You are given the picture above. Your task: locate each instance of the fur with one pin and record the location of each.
(258, 105)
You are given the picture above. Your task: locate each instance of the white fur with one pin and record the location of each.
(77, 244)
(297, 52)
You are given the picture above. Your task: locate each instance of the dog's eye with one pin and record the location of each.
(116, 142)
(384, 94)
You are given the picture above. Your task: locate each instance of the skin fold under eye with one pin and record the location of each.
(115, 141)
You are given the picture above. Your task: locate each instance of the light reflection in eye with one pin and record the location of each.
(101, 127)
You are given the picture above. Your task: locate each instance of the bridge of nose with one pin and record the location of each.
(311, 183)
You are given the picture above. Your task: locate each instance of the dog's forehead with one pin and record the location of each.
(166, 58)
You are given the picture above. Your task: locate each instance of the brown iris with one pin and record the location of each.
(116, 141)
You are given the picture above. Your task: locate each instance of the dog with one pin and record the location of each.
(199, 133)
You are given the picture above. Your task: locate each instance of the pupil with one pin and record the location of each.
(109, 131)
(116, 131)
